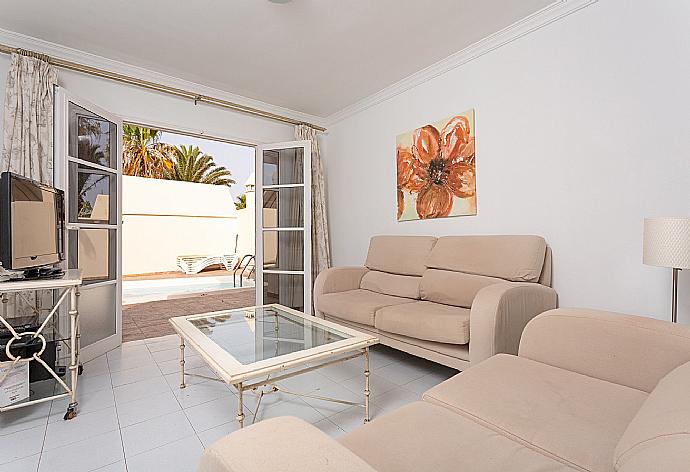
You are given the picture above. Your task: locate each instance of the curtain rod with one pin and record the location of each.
(197, 97)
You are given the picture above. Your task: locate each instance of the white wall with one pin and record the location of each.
(582, 131)
(163, 219)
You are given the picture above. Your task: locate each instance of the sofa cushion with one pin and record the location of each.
(426, 320)
(453, 288)
(356, 305)
(391, 284)
(405, 255)
(658, 438)
(569, 416)
(449, 443)
(515, 258)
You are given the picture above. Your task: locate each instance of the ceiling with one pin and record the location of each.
(313, 56)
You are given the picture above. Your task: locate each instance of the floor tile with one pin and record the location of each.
(128, 376)
(353, 417)
(147, 408)
(118, 466)
(328, 408)
(164, 343)
(28, 464)
(197, 394)
(173, 379)
(88, 383)
(88, 403)
(154, 433)
(292, 407)
(422, 384)
(180, 456)
(84, 456)
(173, 365)
(27, 417)
(124, 361)
(401, 373)
(141, 389)
(393, 399)
(97, 366)
(62, 433)
(330, 428)
(377, 384)
(212, 435)
(21, 444)
(214, 413)
(307, 382)
(171, 354)
(344, 370)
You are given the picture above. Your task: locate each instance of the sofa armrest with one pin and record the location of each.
(285, 444)
(337, 279)
(499, 314)
(629, 350)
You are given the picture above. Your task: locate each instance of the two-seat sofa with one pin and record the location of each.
(590, 391)
(455, 300)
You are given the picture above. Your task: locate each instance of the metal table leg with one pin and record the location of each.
(182, 384)
(74, 360)
(366, 385)
(240, 404)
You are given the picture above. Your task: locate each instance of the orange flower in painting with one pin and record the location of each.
(441, 166)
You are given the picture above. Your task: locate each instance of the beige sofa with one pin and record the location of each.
(589, 391)
(455, 300)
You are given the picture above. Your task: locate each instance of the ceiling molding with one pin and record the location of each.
(18, 40)
(505, 36)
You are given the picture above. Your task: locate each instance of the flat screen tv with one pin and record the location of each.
(31, 223)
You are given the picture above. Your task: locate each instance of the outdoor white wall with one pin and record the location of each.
(582, 131)
(163, 219)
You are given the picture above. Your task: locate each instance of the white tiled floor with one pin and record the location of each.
(134, 417)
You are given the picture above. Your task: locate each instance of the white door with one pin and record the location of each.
(88, 167)
(283, 225)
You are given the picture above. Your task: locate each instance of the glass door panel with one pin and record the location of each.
(88, 168)
(283, 222)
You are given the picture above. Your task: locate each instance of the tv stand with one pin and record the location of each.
(69, 291)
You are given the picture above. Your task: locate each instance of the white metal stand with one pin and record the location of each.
(69, 286)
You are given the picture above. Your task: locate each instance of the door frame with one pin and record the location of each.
(306, 228)
(61, 178)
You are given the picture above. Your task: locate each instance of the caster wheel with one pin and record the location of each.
(70, 414)
(80, 369)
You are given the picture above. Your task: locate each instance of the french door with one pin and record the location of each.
(283, 225)
(88, 167)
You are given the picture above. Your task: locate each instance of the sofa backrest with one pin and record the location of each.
(658, 437)
(517, 258)
(396, 264)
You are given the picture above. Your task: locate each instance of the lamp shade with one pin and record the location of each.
(667, 242)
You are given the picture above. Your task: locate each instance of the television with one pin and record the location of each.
(32, 222)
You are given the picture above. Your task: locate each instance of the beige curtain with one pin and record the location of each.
(321, 252)
(28, 140)
(28, 119)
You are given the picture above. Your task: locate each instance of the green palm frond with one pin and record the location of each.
(189, 164)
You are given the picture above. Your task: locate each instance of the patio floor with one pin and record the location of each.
(150, 320)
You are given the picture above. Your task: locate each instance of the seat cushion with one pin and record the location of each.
(424, 437)
(404, 255)
(514, 258)
(658, 438)
(357, 305)
(453, 288)
(391, 284)
(426, 320)
(571, 417)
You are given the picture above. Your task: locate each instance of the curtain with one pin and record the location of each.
(28, 119)
(28, 139)
(320, 253)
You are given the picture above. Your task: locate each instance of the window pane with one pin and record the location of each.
(286, 289)
(284, 250)
(283, 166)
(94, 198)
(91, 137)
(93, 251)
(284, 208)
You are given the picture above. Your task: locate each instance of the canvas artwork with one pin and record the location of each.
(436, 169)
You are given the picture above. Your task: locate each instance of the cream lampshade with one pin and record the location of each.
(667, 244)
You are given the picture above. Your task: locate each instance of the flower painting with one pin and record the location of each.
(436, 170)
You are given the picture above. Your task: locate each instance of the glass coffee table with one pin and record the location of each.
(254, 348)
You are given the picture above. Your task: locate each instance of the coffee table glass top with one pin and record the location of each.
(258, 333)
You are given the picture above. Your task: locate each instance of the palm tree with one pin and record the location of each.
(241, 202)
(190, 165)
(143, 154)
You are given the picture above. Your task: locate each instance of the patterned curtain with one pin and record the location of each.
(28, 141)
(28, 119)
(321, 252)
